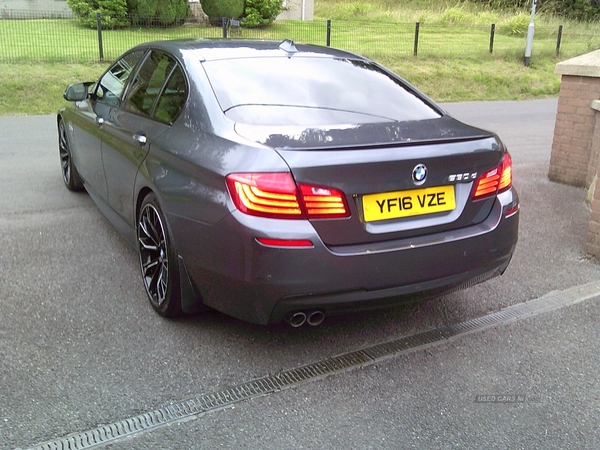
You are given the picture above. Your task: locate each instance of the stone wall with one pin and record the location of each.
(41, 8)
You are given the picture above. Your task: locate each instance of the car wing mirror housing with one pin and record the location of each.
(77, 92)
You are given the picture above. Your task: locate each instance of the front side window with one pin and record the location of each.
(111, 85)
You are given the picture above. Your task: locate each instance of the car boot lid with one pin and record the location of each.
(440, 130)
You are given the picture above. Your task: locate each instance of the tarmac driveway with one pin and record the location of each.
(81, 348)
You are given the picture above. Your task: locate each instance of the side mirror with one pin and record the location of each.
(77, 92)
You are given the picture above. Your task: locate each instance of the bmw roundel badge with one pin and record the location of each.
(419, 174)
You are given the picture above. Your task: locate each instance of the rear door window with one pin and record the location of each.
(172, 97)
(148, 82)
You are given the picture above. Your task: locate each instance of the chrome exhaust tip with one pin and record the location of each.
(315, 318)
(296, 319)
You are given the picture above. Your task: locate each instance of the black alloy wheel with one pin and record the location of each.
(158, 262)
(69, 172)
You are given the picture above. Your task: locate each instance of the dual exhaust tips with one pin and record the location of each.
(299, 318)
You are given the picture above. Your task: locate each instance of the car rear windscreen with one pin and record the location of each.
(312, 91)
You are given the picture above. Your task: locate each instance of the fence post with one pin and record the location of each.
(328, 32)
(224, 24)
(100, 45)
(492, 32)
(416, 49)
(558, 39)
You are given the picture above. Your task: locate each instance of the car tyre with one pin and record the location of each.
(69, 171)
(158, 261)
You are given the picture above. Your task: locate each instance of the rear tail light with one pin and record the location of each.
(323, 202)
(495, 180)
(265, 194)
(276, 195)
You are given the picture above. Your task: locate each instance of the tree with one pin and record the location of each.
(259, 13)
(232, 9)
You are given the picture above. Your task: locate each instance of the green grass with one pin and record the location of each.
(453, 62)
(34, 88)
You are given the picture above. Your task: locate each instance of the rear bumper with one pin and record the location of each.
(238, 276)
(345, 302)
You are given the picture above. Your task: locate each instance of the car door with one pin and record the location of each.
(145, 113)
(88, 124)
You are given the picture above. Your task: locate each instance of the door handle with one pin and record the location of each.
(140, 138)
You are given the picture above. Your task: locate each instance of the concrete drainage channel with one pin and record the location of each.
(209, 402)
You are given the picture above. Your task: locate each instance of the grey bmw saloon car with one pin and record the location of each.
(276, 181)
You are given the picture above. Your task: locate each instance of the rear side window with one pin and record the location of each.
(311, 91)
(146, 86)
(172, 98)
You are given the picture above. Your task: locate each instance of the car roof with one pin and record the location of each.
(214, 49)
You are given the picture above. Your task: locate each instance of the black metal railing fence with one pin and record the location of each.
(35, 36)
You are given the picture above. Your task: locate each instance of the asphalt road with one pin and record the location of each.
(81, 347)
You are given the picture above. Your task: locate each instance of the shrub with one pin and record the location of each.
(515, 26)
(572, 9)
(456, 15)
(113, 12)
(158, 12)
(354, 9)
(508, 4)
(586, 10)
(259, 13)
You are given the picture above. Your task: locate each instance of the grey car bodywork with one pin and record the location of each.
(122, 156)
